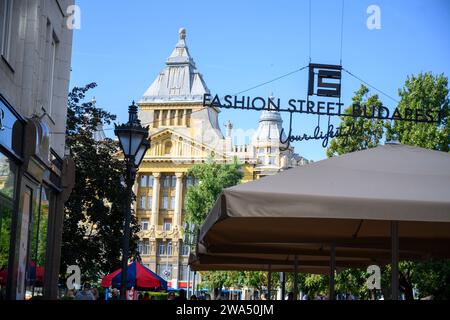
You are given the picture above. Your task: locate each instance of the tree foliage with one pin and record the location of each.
(371, 129)
(94, 213)
(213, 177)
(419, 92)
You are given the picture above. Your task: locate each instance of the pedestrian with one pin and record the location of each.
(94, 292)
(181, 295)
(115, 294)
(194, 297)
(170, 296)
(290, 296)
(146, 296)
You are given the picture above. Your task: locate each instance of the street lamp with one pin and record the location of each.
(190, 236)
(133, 142)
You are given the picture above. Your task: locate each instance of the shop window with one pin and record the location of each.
(41, 209)
(7, 184)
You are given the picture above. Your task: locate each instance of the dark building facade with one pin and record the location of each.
(36, 176)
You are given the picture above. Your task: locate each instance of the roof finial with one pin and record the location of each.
(182, 33)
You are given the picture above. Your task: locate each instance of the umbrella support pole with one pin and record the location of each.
(188, 294)
(394, 261)
(269, 283)
(332, 295)
(295, 277)
(283, 285)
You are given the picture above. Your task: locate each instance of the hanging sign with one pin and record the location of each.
(324, 83)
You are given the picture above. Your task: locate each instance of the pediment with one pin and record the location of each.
(172, 145)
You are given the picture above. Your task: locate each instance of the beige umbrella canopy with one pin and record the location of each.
(349, 200)
(363, 204)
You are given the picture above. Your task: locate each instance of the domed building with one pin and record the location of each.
(182, 133)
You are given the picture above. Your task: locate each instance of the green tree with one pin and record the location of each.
(93, 222)
(213, 177)
(419, 92)
(371, 129)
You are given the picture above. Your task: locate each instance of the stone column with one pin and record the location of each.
(178, 200)
(155, 199)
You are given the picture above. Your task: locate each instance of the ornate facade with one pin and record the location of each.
(183, 133)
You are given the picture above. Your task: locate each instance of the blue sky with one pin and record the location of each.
(122, 45)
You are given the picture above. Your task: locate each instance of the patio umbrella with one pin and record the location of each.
(138, 276)
(368, 199)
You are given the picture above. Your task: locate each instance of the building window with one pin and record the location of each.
(269, 150)
(162, 249)
(272, 160)
(190, 181)
(151, 180)
(188, 117)
(6, 12)
(169, 248)
(140, 247)
(165, 201)
(185, 250)
(172, 202)
(146, 247)
(167, 224)
(149, 202)
(180, 117)
(166, 182)
(144, 181)
(183, 272)
(173, 181)
(164, 270)
(261, 159)
(156, 119)
(142, 201)
(164, 117)
(260, 150)
(172, 117)
(51, 71)
(144, 224)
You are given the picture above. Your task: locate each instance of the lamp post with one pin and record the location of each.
(133, 142)
(190, 237)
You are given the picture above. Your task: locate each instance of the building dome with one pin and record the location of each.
(269, 129)
(270, 116)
